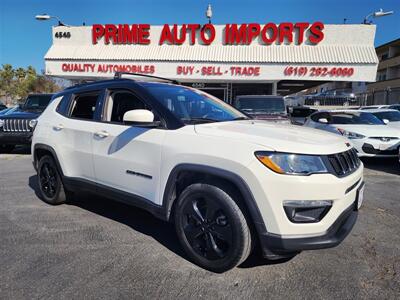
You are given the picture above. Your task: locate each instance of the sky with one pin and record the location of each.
(24, 41)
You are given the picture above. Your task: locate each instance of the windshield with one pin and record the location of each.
(355, 119)
(193, 106)
(261, 105)
(391, 116)
(37, 102)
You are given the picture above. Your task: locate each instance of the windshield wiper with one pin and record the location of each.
(240, 118)
(207, 120)
(277, 113)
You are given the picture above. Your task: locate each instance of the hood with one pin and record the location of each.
(395, 125)
(372, 130)
(276, 136)
(21, 113)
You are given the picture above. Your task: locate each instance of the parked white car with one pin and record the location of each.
(229, 183)
(390, 117)
(369, 135)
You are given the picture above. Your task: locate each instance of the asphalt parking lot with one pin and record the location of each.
(97, 248)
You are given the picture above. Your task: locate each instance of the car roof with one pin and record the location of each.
(347, 111)
(157, 84)
(373, 107)
(376, 110)
(108, 82)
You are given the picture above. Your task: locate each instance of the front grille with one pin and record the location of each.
(384, 138)
(369, 149)
(16, 125)
(344, 163)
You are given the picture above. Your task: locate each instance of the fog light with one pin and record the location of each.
(306, 211)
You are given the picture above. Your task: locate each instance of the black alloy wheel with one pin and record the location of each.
(207, 228)
(211, 227)
(49, 180)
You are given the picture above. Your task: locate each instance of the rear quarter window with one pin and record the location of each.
(63, 106)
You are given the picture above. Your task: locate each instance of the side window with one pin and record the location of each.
(119, 102)
(62, 107)
(84, 105)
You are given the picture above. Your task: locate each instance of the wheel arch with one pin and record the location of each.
(40, 150)
(201, 172)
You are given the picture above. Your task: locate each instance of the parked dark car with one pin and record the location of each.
(8, 110)
(331, 97)
(16, 127)
(263, 107)
(2, 106)
(394, 106)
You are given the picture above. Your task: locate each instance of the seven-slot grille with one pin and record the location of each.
(16, 125)
(344, 163)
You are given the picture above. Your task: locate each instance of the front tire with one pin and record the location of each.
(50, 184)
(211, 228)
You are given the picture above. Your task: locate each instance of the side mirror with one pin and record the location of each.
(386, 121)
(140, 117)
(323, 120)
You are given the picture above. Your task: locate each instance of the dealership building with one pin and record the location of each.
(225, 60)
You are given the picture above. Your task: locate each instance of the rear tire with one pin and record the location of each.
(51, 187)
(211, 228)
(6, 148)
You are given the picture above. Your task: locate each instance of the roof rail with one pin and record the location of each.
(118, 75)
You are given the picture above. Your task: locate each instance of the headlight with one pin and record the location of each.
(1, 123)
(33, 123)
(291, 164)
(351, 135)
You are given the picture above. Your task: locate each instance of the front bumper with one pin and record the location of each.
(376, 148)
(15, 138)
(274, 245)
(279, 235)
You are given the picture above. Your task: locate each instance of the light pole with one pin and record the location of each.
(209, 13)
(45, 17)
(377, 14)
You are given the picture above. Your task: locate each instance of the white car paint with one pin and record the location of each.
(85, 153)
(394, 124)
(375, 135)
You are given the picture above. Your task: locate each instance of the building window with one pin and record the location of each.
(380, 76)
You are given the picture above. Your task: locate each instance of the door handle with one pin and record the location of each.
(58, 127)
(101, 134)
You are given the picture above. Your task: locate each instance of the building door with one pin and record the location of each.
(219, 90)
(220, 93)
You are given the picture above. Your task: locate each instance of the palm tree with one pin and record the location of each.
(7, 74)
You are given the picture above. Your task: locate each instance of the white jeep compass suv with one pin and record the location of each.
(229, 183)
